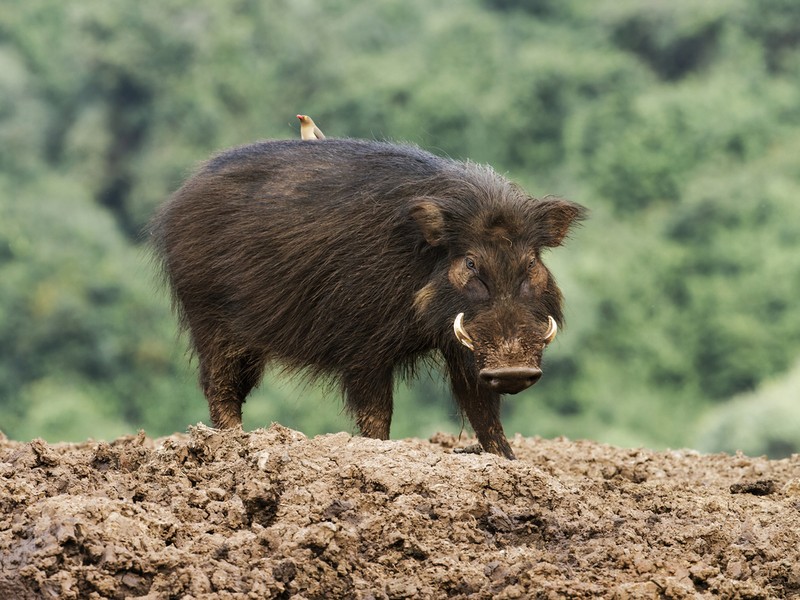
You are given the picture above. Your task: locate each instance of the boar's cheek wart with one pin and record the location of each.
(458, 274)
(422, 299)
(539, 277)
(430, 220)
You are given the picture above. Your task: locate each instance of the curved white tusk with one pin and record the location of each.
(552, 330)
(461, 334)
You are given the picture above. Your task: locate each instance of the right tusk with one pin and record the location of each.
(461, 334)
(552, 330)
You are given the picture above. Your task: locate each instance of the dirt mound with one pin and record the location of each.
(272, 514)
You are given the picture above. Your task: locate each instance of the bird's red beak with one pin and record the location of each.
(300, 117)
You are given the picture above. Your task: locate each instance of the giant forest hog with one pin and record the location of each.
(352, 260)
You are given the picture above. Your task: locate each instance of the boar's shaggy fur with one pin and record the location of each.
(350, 260)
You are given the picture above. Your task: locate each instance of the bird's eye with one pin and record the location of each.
(470, 263)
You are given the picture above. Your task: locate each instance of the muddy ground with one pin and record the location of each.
(272, 514)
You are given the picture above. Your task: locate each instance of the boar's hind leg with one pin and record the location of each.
(226, 381)
(482, 407)
(369, 400)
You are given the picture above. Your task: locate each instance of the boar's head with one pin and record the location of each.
(491, 295)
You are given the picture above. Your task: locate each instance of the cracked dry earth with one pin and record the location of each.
(272, 514)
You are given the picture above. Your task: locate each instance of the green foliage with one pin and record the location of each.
(78, 314)
(677, 124)
(776, 26)
(674, 39)
(762, 422)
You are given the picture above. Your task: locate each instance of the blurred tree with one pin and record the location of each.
(775, 24)
(77, 311)
(673, 39)
(765, 421)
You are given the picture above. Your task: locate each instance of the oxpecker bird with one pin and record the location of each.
(308, 129)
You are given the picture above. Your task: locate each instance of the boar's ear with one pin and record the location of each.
(556, 216)
(430, 219)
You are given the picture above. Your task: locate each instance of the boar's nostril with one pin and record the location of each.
(510, 380)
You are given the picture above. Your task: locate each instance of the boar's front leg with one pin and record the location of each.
(482, 407)
(369, 400)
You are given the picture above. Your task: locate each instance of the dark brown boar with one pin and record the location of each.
(351, 260)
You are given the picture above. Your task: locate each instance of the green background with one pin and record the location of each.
(677, 124)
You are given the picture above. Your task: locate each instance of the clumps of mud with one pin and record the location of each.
(272, 514)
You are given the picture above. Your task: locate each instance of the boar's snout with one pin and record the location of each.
(510, 380)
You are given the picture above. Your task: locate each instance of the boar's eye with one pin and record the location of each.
(470, 263)
(532, 263)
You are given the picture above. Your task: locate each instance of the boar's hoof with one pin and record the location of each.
(510, 380)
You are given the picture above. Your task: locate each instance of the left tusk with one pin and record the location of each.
(461, 334)
(552, 330)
